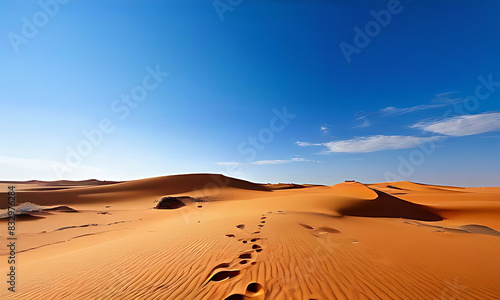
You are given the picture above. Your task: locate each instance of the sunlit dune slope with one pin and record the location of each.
(136, 189)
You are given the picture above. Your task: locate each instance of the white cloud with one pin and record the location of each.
(391, 110)
(376, 143)
(463, 125)
(300, 159)
(366, 123)
(279, 161)
(439, 100)
(442, 99)
(269, 162)
(325, 128)
(446, 98)
(445, 94)
(304, 144)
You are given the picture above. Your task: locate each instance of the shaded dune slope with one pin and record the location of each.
(414, 186)
(370, 202)
(387, 206)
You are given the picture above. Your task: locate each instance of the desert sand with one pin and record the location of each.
(224, 238)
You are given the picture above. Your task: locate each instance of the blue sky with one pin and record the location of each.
(261, 90)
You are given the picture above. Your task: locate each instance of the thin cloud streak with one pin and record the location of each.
(391, 110)
(366, 123)
(463, 125)
(373, 143)
(269, 162)
(304, 144)
(439, 100)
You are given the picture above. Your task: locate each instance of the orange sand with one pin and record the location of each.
(241, 240)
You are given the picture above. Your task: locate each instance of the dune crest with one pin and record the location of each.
(136, 189)
(387, 206)
(354, 189)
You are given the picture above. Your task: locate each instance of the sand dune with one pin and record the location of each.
(233, 239)
(387, 206)
(415, 187)
(134, 190)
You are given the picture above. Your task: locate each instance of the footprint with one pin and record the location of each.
(263, 221)
(241, 226)
(254, 288)
(200, 206)
(230, 235)
(328, 229)
(256, 232)
(223, 275)
(254, 291)
(257, 248)
(306, 226)
(254, 240)
(243, 262)
(260, 225)
(263, 218)
(246, 255)
(235, 297)
(222, 265)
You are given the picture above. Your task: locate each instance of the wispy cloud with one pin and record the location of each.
(373, 143)
(325, 128)
(439, 100)
(445, 94)
(463, 125)
(366, 122)
(446, 98)
(279, 161)
(304, 144)
(391, 110)
(269, 162)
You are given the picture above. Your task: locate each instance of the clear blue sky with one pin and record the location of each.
(363, 106)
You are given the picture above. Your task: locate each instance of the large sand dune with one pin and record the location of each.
(225, 238)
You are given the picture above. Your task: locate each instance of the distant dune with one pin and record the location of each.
(208, 236)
